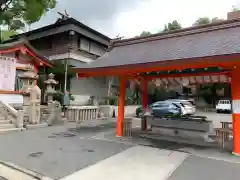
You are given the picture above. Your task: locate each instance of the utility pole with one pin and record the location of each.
(71, 34)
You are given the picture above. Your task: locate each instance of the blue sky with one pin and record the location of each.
(130, 17)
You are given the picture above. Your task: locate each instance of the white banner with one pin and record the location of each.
(7, 73)
(236, 106)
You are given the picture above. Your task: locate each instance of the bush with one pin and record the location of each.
(59, 97)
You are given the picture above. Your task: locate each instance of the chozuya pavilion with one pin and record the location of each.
(203, 54)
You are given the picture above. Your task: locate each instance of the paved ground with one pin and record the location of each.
(61, 150)
(216, 118)
(54, 151)
(197, 168)
(138, 162)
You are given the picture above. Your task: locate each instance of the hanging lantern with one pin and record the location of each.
(132, 85)
(158, 82)
(193, 89)
(185, 82)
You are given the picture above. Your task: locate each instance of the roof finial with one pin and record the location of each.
(64, 16)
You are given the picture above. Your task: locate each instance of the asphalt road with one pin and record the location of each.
(54, 151)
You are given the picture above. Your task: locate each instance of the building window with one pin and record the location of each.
(84, 44)
(18, 81)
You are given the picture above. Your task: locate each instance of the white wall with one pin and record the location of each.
(107, 110)
(90, 46)
(13, 99)
(82, 89)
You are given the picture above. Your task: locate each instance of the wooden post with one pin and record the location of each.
(236, 110)
(121, 106)
(144, 92)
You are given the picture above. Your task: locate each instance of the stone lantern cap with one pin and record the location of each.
(51, 79)
(29, 74)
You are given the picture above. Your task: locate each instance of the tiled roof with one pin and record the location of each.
(25, 43)
(204, 41)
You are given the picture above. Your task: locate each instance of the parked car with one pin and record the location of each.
(224, 106)
(160, 109)
(185, 97)
(187, 107)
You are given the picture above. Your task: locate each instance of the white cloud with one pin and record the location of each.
(152, 15)
(130, 17)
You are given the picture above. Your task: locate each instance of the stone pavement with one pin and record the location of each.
(139, 163)
(54, 151)
(69, 153)
(197, 168)
(156, 164)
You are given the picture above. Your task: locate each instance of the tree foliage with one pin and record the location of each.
(172, 26)
(234, 8)
(6, 34)
(206, 20)
(202, 21)
(145, 34)
(16, 13)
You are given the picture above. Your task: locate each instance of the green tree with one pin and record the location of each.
(144, 34)
(234, 8)
(172, 26)
(216, 19)
(16, 13)
(206, 20)
(202, 21)
(6, 34)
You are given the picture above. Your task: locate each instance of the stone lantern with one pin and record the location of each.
(28, 88)
(28, 78)
(50, 87)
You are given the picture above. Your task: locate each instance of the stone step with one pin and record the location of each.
(5, 121)
(6, 126)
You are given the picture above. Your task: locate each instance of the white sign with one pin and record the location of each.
(7, 73)
(236, 106)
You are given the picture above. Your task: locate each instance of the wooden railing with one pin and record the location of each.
(81, 113)
(9, 113)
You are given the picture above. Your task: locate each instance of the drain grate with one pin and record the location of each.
(61, 134)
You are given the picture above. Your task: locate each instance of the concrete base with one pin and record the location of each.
(160, 137)
(182, 133)
(34, 126)
(235, 154)
(181, 128)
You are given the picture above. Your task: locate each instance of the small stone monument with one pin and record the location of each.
(54, 107)
(35, 105)
(28, 78)
(50, 87)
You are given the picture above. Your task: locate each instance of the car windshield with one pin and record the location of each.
(177, 105)
(158, 104)
(186, 103)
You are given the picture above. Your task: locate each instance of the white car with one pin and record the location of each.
(187, 107)
(224, 106)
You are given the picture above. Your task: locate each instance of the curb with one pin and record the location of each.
(31, 173)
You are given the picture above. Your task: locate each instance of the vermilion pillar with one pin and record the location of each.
(144, 88)
(236, 110)
(121, 106)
